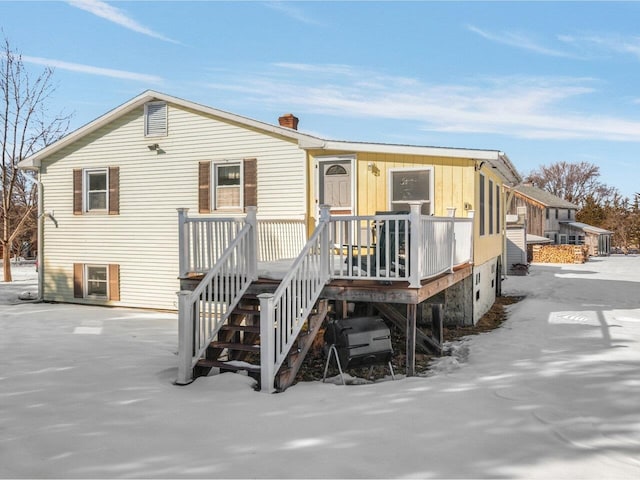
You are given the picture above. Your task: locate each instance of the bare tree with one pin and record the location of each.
(25, 128)
(575, 182)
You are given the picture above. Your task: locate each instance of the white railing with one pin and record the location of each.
(371, 247)
(278, 239)
(203, 311)
(203, 239)
(463, 229)
(398, 247)
(437, 245)
(284, 313)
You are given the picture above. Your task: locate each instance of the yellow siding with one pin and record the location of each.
(455, 185)
(143, 239)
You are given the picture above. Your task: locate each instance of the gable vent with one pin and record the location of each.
(155, 119)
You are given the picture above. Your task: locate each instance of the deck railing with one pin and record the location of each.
(386, 247)
(203, 311)
(204, 239)
(284, 313)
(398, 247)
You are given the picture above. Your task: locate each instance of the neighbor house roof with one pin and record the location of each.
(544, 197)
(496, 159)
(588, 228)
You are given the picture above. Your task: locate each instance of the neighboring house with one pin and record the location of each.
(111, 190)
(555, 218)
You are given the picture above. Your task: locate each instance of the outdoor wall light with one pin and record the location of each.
(154, 147)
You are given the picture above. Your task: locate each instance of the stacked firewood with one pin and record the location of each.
(560, 254)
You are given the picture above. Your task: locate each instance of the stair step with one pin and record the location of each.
(205, 362)
(241, 328)
(236, 346)
(246, 311)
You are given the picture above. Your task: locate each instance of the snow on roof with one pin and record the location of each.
(544, 197)
(588, 228)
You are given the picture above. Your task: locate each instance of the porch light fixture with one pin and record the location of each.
(154, 147)
(371, 166)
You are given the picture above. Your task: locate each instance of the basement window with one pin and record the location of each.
(97, 281)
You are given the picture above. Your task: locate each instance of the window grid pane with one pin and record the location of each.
(97, 281)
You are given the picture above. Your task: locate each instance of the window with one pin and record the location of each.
(155, 119)
(96, 285)
(547, 213)
(95, 281)
(572, 240)
(408, 185)
(482, 206)
(96, 190)
(490, 207)
(227, 185)
(498, 225)
(556, 213)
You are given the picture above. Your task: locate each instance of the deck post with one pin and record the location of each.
(325, 217)
(411, 339)
(183, 246)
(471, 214)
(185, 339)
(267, 343)
(416, 248)
(252, 253)
(451, 213)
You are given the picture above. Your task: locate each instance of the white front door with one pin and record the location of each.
(335, 185)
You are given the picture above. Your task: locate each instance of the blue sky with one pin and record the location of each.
(541, 81)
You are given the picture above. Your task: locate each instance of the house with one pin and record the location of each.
(554, 218)
(159, 194)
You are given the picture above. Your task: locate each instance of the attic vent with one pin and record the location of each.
(155, 119)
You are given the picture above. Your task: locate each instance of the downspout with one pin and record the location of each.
(40, 258)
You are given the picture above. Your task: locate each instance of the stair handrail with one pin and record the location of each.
(283, 313)
(203, 311)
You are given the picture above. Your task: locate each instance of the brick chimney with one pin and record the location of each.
(289, 120)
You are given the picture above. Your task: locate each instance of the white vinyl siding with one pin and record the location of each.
(143, 238)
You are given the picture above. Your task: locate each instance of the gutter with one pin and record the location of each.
(40, 258)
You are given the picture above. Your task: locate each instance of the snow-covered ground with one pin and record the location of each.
(555, 393)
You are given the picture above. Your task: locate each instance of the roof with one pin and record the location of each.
(544, 197)
(588, 228)
(534, 239)
(496, 159)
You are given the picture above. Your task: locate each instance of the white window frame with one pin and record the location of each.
(215, 187)
(85, 287)
(429, 169)
(165, 128)
(320, 161)
(85, 189)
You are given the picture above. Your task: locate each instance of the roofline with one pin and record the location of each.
(34, 161)
(547, 205)
(497, 159)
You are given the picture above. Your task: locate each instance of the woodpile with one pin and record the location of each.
(560, 253)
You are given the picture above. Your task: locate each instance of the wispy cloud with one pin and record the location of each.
(293, 12)
(518, 40)
(605, 43)
(115, 15)
(522, 107)
(92, 70)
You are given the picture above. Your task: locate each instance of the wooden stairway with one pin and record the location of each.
(237, 346)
